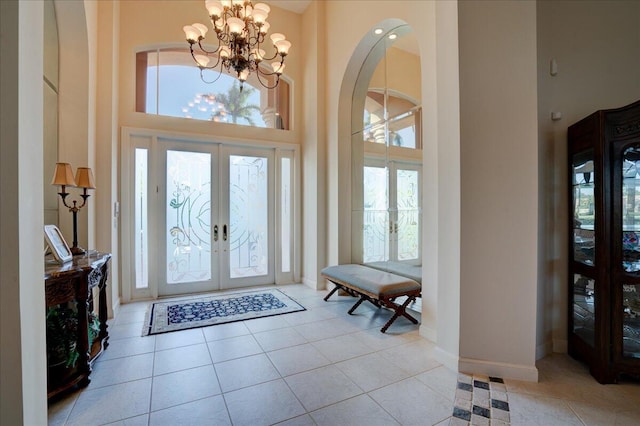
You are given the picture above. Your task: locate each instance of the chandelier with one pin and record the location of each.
(241, 28)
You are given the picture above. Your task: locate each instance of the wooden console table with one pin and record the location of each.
(69, 284)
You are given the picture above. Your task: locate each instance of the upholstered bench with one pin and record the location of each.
(378, 287)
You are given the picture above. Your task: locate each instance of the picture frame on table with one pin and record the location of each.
(57, 244)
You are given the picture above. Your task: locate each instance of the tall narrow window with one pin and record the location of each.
(285, 214)
(141, 219)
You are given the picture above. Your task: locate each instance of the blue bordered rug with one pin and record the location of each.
(203, 311)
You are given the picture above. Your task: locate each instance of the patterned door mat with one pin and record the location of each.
(203, 311)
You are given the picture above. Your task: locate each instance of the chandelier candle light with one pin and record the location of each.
(63, 176)
(241, 28)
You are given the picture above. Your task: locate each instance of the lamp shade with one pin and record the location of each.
(84, 178)
(262, 6)
(214, 8)
(191, 33)
(202, 60)
(278, 67)
(63, 175)
(276, 37)
(242, 76)
(201, 28)
(283, 46)
(235, 25)
(259, 15)
(265, 27)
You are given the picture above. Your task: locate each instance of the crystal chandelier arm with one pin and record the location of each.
(208, 52)
(275, 55)
(206, 66)
(210, 81)
(266, 86)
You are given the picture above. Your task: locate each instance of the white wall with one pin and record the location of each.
(75, 137)
(50, 124)
(314, 150)
(499, 182)
(441, 265)
(596, 45)
(107, 234)
(23, 383)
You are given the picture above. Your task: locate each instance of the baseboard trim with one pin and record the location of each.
(446, 358)
(115, 309)
(311, 284)
(428, 333)
(544, 350)
(499, 369)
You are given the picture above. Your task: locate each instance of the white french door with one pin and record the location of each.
(216, 227)
(247, 217)
(200, 215)
(391, 211)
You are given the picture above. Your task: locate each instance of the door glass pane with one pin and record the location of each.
(584, 237)
(285, 214)
(408, 215)
(631, 322)
(248, 216)
(141, 248)
(584, 308)
(188, 217)
(376, 215)
(631, 209)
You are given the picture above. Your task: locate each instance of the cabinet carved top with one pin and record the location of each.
(80, 264)
(628, 128)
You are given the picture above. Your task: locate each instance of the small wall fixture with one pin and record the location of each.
(63, 177)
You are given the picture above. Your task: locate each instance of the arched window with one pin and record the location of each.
(168, 83)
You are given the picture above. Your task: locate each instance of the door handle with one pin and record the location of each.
(224, 232)
(215, 233)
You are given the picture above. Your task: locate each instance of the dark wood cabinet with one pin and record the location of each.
(76, 335)
(604, 242)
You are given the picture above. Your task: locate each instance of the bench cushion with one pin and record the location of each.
(379, 283)
(406, 270)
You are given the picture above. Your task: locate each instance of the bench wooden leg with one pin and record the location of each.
(336, 288)
(358, 303)
(399, 310)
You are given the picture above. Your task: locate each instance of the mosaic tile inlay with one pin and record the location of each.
(481, 400)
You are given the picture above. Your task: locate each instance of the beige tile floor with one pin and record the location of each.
(318, 367)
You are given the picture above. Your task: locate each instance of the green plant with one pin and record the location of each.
(236, 104)
(93, 327)
(62, 329)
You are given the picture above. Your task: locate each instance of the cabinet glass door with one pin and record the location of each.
(584, 308)
(631, 251)
(584, 237)
(631, 209)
